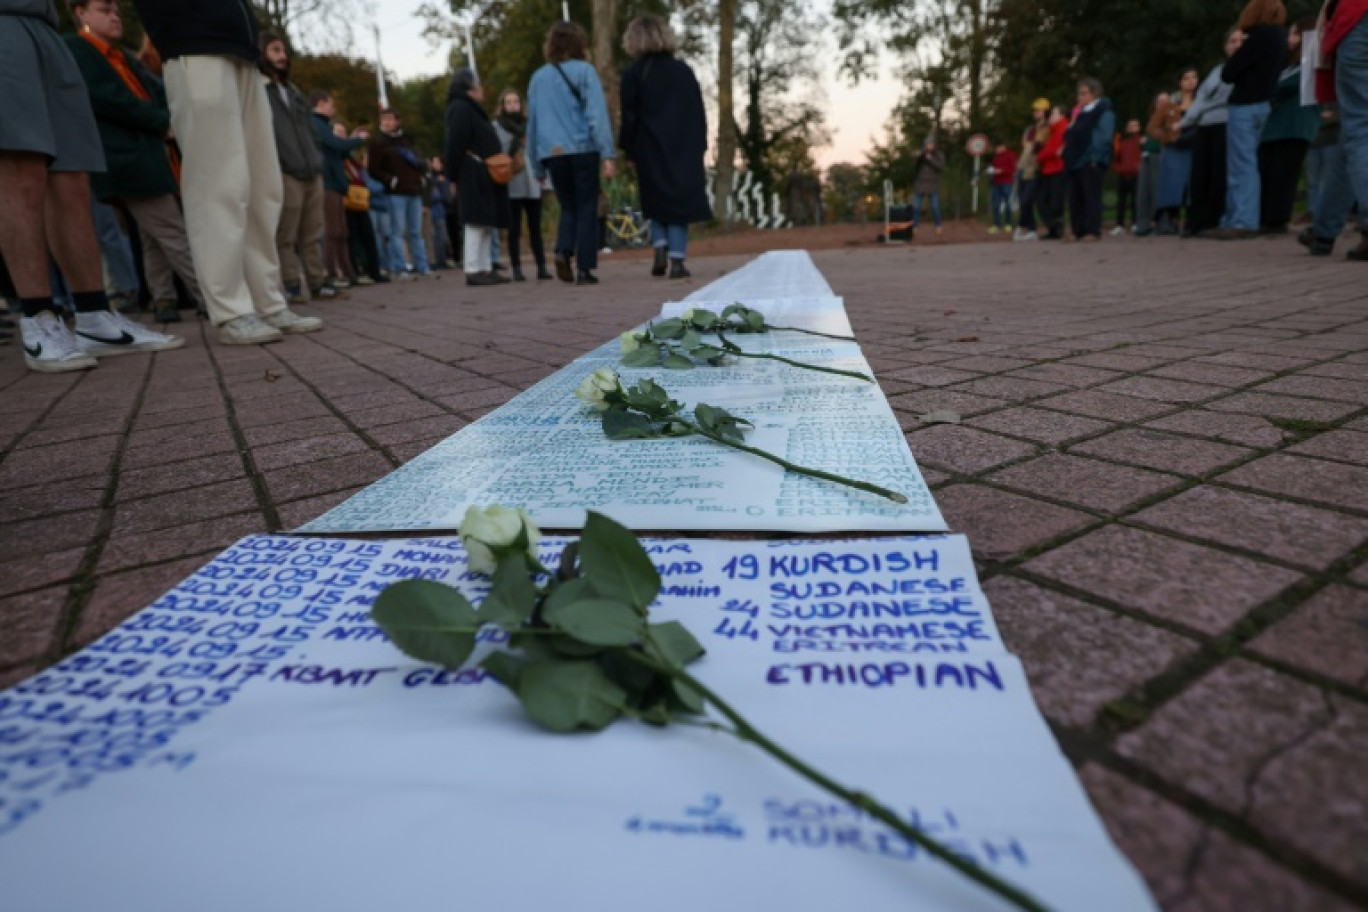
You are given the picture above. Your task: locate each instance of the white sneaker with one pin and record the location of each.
(49, 347)
(105, 333)
(1118, 231)
(247, 330)
(1029, 236)
(287, 321)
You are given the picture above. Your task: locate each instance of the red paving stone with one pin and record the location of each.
(1203, 650)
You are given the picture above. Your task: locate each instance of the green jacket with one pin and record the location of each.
(131, 129)
(1289, 119)
(335, 152)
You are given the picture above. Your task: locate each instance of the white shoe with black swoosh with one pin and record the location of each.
(104, 333)
(49, 346)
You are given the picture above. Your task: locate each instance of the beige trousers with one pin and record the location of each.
(166, 247)
(230, 182)
(300, 235)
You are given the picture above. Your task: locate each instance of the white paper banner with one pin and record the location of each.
(252, 741)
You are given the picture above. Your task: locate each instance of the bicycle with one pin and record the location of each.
(627, 229)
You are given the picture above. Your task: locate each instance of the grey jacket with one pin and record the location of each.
(1209, 103)
(523, 185)
(296, 144)
(38, 9)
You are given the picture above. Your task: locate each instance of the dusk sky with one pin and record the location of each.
(854, 114)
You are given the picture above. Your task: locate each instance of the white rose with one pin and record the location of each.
(498, 528)
(630, 342)
(597, 386)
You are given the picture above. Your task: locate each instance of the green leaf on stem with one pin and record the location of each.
(673, 328)
(756, 320)
(570, 696)
(427, 620)
(504, 668)
(690, 340)
(685, 699)
(616, 564)
(710, 353)
(672, 643)
(703, 318)
(719, 421)
(513, 597)
(598, 622)
(675, 361)
(646, 356)
(620, 424)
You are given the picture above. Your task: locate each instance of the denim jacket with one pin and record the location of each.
(557, 124)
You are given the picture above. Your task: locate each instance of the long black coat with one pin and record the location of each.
(483, 203)
(665, 134)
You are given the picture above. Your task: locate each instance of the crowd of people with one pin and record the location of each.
(195, 173)
(1219, 157)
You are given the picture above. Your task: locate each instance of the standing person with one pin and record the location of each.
(1028, 189)
(524, 193)
(926, 182)
(1087, 154)
(1127, 157)
(1208, 116)
(357, 203)
(1175, 161)
(665, 134)
(49, 143)
(335, 145)
(1147, 187)
(1286, 138)
(439, 198)
(470, 141)
(1324, 148)
(131, 113)
(1003, 174)
(230, 175)
(1344, 47)
(570, 139)
(395, 164)
(1252, 72)
(299, 237)
(1053, 179)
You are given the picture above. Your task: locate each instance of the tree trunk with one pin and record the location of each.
(605, 14)
(726, 121)
(978, 54)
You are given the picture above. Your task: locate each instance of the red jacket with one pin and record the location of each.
(1004, 168)
(1126, 155)
(1051, 157)
(1344, 16)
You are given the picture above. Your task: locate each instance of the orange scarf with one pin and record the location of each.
(116, 58)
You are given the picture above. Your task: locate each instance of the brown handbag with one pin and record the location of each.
(500, 166)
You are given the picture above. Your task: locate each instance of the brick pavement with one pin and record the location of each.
(1163, 470)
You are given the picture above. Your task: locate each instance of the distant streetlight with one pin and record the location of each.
(470, 41)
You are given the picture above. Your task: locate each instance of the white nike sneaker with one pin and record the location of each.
(105, 333)
(247, 330)
(287, 321)
(49, 346)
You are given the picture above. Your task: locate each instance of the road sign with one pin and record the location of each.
(977, 145)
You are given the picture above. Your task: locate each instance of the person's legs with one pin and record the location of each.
(1351, 84)
(396, 221)
(1145, 188)
(1242, 167)
(517, 207)
(1280, 168)
(71, 233)
(935, 209)
(916, 209)
(23, 235)
(1094, 180)
(309, 238)
(162, 225)
(586, 177)
(1026, 201)
(677, 240)
(1315, 167)
(261, 265)
(533, 208)
(288, 243)
(1074, 182)
(216, 184)
(476, 260)
(413, 229)
(121, 272)
(1336, 195)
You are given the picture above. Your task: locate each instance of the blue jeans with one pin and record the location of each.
(115, 248)
(380, 222)
(916, 208)
(1175, 172)
(406, 223)
(1347, 180)
(1242, 164)
(1002, 205)
(673, 237)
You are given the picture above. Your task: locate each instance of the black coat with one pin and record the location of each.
(470, 139)
(665, 134)
(211, 28)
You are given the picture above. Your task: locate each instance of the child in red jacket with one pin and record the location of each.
(1127, 156)
(1003, 172)
(1053, 181)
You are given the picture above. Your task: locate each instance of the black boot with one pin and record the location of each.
(658, 267)
(677, 270)
(542, 274)
(517, 274)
